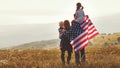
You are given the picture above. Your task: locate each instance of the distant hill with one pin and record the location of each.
(45, 44)
(102, 39)
(24, 33)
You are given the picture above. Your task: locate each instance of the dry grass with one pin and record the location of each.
(111, 39)
(96, 57)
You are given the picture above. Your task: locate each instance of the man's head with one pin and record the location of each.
(75, 16)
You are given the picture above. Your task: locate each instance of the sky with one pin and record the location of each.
(52, 11)
(20, 20)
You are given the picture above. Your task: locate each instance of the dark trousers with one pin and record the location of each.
(77, 56)
(63, 56)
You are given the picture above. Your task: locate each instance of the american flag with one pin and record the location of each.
(89, 32)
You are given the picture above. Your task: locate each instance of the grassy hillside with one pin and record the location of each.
(102, 39)
(96, 57)
(38, 45)
(106, 39)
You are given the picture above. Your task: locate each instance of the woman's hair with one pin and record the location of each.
(67, 24)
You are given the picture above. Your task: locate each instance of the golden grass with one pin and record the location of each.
(109, 39)
(96, 57)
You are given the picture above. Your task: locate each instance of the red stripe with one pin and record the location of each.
(83, 25)
(72, 44)
(91, 32)
(80, 37)
(81, 42)
(86, 26)
(86, 23)
(93, 36)
(91, 27)
(85, 18)
(82, 48)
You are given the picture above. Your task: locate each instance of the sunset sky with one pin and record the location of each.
(52, 11)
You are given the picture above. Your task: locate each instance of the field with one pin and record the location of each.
(96, 57)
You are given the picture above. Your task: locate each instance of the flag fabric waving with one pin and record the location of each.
(89, 32)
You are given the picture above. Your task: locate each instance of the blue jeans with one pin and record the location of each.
(77, 56)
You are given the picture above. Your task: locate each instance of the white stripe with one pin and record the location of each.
(81, 45)
(83, 24)
(81, 40)
(72, 42)
(79, 36)
(90, 27)
(86, 26)
(86, 22)
(92, 34)
(87, 19)
(89, 31)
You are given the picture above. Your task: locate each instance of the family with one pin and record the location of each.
(69, 32)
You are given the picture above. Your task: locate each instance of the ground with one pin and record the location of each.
(96, 57)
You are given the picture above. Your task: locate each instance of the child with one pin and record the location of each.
(61, 28)
(80, 13)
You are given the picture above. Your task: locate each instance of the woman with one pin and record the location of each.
(65, 45)
(79, 13)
